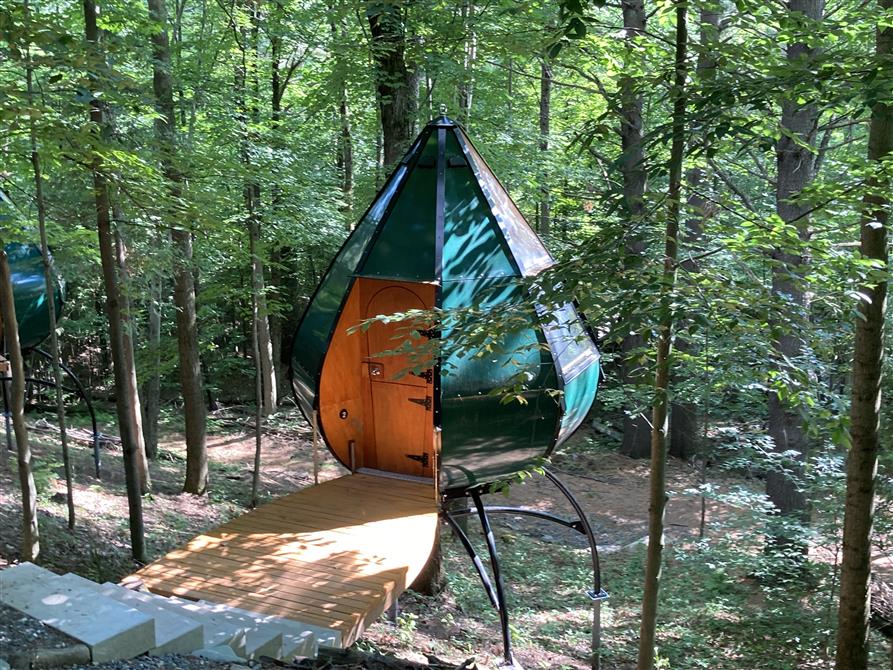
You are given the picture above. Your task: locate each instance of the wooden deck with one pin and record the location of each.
(333, 555)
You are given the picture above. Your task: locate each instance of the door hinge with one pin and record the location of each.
(429, 333)
(424, 459)
(424, 402)
(427, 375)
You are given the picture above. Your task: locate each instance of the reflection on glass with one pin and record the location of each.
(528, 250)
(572, 348)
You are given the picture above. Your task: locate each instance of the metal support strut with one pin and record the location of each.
(497, 593)
(497, 577)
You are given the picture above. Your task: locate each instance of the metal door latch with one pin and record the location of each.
(424, 459)
(424, 402)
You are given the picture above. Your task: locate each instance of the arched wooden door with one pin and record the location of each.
(401, 433)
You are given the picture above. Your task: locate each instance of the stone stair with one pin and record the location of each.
(120, 623)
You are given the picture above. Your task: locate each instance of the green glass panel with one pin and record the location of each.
(473, 247)
(29, 290)
(404, 248)
(312, 338)
(511, 354)
(485, 439)
(579, 394)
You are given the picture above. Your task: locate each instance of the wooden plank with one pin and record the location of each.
(323, 588)
(335, 555)
(290, 563)
(342, 596)
(308, 570)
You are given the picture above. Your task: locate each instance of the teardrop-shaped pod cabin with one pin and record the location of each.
(442, 233)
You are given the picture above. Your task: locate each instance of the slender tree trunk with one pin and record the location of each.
(258, 373)
(127, 330)
(50, 287)
(194, 406)
(124, 402)
(397, 83)
(344, 159)
(545, 204)
(868, 365)
(685, 417)
(152, 385)
(30, 547)
(252, 205)
(466, 86)
(796, 164)
(658, 493)
(636, 430)
(277, 88)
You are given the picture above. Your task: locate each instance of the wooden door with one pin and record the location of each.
(402, 403)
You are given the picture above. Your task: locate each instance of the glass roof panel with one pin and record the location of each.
(473, 247)
(404, 248)
(528, 250)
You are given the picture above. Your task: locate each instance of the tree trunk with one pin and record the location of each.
(685, 420)
(344, 158)
(30, 547)
(124, 403)
(277, 89)
(258, 372)
(397, 83)
(152, 385)
(658, 493)
(252, 193)
(545, 205)
(466, 86)
(868, 365)
(127, 330)
(796, 163)
(49, 286)
(636, 430)
(194, 407)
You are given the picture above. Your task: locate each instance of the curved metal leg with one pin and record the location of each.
(597, 594)
(497, 578)
(97, 461)
(478, 565)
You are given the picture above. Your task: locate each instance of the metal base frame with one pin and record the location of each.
(495, 587)
(78, 390)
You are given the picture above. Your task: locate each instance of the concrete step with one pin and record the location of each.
(258, 641)
(174, 632)
(298, 639)
(326, 637)
(111, 629)
(215, 632)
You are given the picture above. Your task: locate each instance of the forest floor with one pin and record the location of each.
(546, 567)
